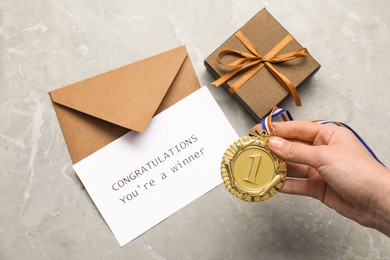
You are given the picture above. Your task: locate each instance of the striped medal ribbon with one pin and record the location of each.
(285, 115)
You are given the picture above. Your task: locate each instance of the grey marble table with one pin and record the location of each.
(46, 214)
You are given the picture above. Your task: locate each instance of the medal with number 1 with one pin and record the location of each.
(250, 170)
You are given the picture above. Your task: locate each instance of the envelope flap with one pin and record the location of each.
(128, 96)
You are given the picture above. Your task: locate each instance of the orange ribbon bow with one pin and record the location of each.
(253, 62)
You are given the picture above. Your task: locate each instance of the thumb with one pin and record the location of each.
(296, 152)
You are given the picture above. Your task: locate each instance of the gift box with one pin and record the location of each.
(261, 64)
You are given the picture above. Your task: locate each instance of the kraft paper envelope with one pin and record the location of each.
(98, 110)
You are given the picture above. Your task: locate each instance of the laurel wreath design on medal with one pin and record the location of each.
(250, 171)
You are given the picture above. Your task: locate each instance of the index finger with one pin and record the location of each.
(300, 130)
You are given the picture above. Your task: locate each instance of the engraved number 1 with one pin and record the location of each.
(254, 168)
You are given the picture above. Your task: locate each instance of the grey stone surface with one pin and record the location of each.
(45, 213)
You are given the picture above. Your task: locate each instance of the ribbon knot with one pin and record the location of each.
(251, 63)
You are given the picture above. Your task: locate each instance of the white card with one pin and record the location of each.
(142, 178)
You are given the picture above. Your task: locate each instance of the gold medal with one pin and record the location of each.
(250, 171)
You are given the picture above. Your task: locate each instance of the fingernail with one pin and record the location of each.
(276, 142)
(257, 128)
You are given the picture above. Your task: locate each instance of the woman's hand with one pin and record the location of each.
(329, 163)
